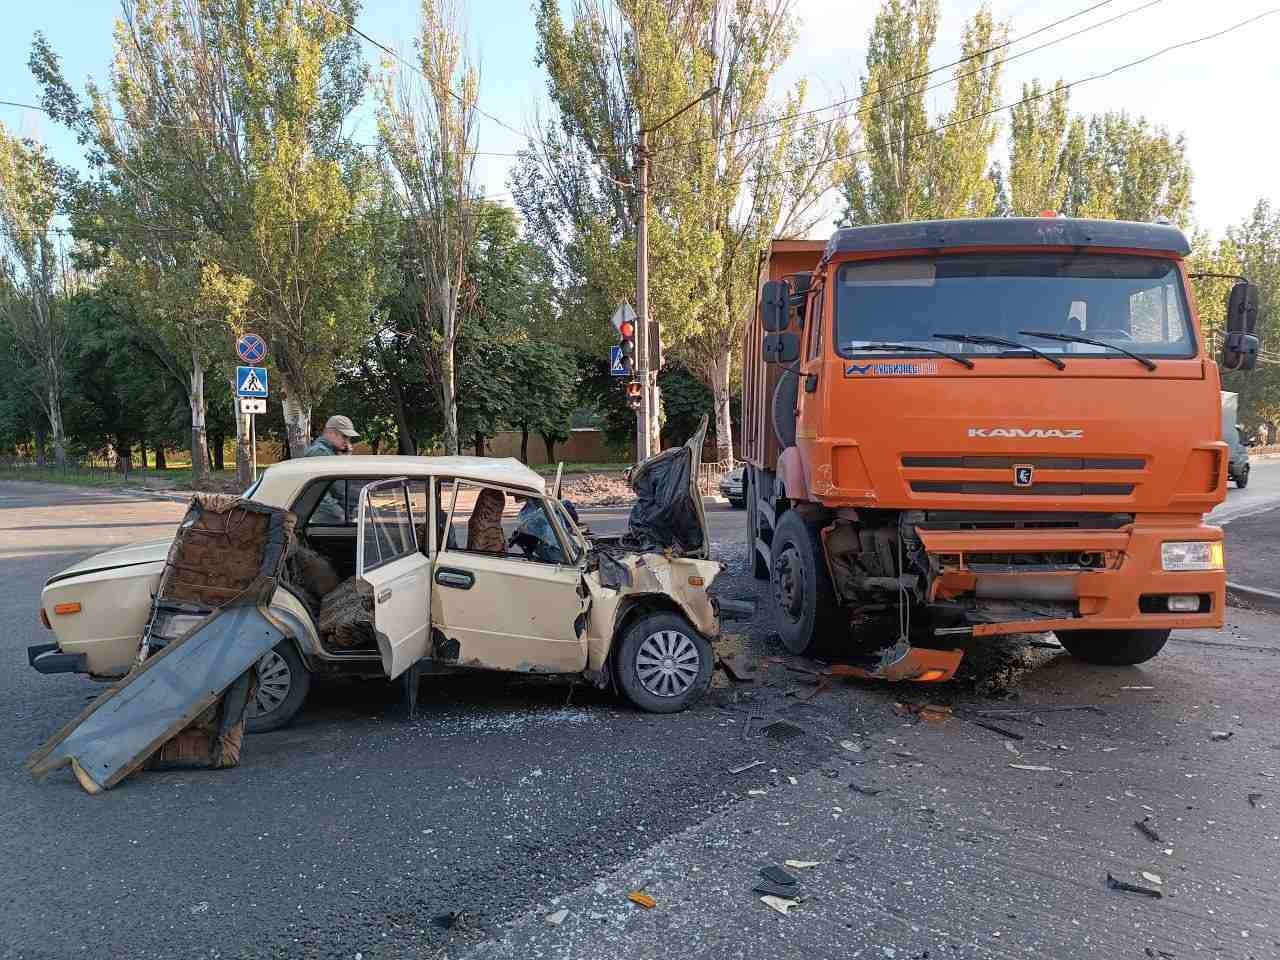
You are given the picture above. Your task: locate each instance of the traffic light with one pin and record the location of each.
(633, 394)
(628, 345)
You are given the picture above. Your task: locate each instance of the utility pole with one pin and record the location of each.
(647, 426)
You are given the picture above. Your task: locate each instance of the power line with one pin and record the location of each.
(1009, 106)
(906, 80)
(412, 66)
(883, 101)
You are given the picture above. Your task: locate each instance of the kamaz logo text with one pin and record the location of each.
(1019, 433)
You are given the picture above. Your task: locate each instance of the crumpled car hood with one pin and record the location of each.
(668, 513)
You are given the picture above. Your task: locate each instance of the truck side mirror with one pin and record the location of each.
(781, 347)
(1239, 351)
(1242, 308)
(773, 306)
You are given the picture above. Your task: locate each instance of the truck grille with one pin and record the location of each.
(1036, 490)
(1040, 463)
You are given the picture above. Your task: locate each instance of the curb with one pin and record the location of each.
(1267, 599)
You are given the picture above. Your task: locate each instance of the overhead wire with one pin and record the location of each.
(882, 101)
(1009, 106)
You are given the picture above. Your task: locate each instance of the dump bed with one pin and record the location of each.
(759, 442)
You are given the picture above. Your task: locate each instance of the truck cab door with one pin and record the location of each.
(393, 568)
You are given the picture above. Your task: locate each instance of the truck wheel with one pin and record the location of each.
(283, 682)
(663, 664)
(759, 569)
(1242, 478)
(784, 409)
(1113, 648)
(804, 599)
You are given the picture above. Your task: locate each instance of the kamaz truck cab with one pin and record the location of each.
(981, 427)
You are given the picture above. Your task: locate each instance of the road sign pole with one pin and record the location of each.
(253, 446)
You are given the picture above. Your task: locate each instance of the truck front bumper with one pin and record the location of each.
(46, 658)
(1126, 591)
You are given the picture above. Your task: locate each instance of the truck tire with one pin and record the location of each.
(1113, 648)
(759, 568)
(663, 664)
(783, 409)
(804, 600)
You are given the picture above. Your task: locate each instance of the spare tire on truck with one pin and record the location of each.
(783, 409)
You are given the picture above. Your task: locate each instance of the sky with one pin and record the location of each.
(1218, 93)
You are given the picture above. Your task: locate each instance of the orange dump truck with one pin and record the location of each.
(978, 427)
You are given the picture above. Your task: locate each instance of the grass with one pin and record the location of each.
(179, 478)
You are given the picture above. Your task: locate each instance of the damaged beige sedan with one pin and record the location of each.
(402, 566)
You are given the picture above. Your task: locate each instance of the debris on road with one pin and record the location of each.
(865, 791)
(447, 921)
(934, 712)
(1031, 766)
(757, 793)
(778, 875)
(744, 767)
(1114, 884)
(1221, 736)
(1137, 688)
(851, 746)
(1003, 731)
(1153, 878)
(774, 889)
(777, 903)
(1146, 830)
(781, 731)
(801, 864)
(642, 899)
(1254, 798)
(738, 669)
(557, 918)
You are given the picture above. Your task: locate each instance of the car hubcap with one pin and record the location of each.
(667, 663)
(788, 583)
(274, 680)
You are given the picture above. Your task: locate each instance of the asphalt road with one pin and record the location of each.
(355, 833)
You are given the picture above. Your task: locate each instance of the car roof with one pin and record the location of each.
(1009, 231)
(282, 480)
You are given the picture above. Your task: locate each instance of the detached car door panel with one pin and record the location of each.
(392, 567)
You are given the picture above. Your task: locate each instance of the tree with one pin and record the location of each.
(909, 168)
(426, 125)
(1127, 170)
(544, 393)
(727, 175)
(34, 276)
(1037, 153)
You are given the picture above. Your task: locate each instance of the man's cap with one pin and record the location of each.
(342, 424)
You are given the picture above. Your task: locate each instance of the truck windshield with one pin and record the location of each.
(1133, 301)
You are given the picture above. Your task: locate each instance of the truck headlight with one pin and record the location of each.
(1191, 555)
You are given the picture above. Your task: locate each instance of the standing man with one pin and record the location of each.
(335, 439)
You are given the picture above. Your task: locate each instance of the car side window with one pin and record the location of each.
(489, 520)
(339, 504)
(388, 532)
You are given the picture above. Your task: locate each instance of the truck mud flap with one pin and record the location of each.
(917, 664)
(120, 730)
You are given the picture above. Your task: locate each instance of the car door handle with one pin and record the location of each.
(449, 577)
(384, 596)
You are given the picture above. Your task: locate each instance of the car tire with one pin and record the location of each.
(1242, 479)
(283, 684)
(663, 665)
(1113, 648)
(807, 614)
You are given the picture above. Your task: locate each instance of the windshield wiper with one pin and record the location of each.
(1072, 338)
(907, 348)
(999, 342)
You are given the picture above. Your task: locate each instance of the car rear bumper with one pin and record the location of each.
(46, 658)
(1124, 593)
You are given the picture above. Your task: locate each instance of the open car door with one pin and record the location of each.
(390, 564)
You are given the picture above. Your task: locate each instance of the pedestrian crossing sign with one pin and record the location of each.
(251, 381)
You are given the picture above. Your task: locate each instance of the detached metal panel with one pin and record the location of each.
(124, 726)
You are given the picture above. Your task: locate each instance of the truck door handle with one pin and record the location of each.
(450, 577)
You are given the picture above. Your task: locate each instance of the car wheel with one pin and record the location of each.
(283, 682)
(663, 664)
(1242, 479)
(1113, 648)
(804, 599)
